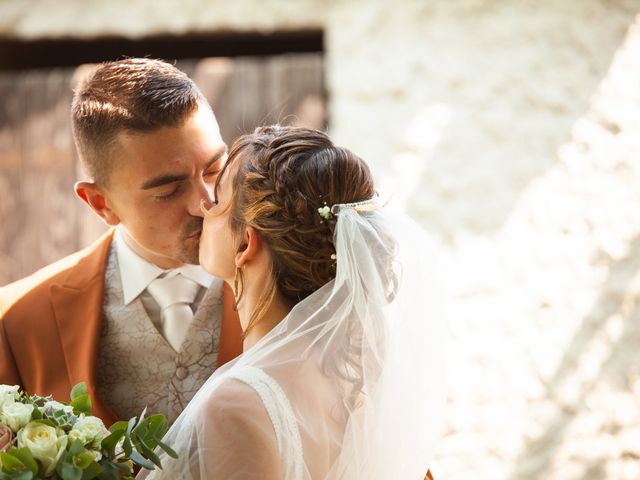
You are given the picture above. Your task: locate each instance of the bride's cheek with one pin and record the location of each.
(205, 244)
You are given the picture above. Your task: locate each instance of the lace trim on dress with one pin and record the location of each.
(280, 412)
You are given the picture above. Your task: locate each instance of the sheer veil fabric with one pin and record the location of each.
(348, 386)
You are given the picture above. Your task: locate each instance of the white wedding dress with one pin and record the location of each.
(348, 386)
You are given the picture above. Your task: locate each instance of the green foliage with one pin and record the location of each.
(61, 419)
(23, 455)
(138, 438)
(37, 400)
(127, 444)
(78, 390)
(22, 475)
(12, 464)
(80, 400)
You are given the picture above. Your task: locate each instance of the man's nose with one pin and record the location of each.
(203, 195)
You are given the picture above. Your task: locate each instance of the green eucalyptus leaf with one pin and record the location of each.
(25, 457)
(156, 430)
(108, 471)
(162, 425)
(143, 462)
(149, 453)
(130, 424)
(144, 412)
(110, 442)
(168, 450)
(81, 404)
(75, 448)
(91, 472)
(11, 463)
(79, 390)
(153, 427)
(118, 425)
(83, 460)
(127, 446)
(69, 471)
(26, 475)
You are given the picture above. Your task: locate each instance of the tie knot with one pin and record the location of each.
(171, 290)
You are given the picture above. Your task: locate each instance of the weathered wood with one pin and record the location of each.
(41, 220)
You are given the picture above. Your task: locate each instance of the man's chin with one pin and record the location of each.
(191, 251)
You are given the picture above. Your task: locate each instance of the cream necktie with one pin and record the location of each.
(174, 295)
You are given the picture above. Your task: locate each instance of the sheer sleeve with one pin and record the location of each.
(237, 439)
(225, 434)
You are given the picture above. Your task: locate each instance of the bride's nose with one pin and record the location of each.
(203, 197)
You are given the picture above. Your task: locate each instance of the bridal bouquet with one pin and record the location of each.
(42, 438)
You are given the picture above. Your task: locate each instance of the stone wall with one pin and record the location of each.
(510, 130)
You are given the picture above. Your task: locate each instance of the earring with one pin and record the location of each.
(237, 292)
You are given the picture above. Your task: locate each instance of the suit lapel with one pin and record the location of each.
(77, 305)
(77, 318)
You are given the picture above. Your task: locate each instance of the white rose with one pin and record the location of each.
(45, 443)
(53, 406)
(16, 415)
(8, 394)
(89, 430)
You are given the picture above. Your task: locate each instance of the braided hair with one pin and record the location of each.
(286, 174)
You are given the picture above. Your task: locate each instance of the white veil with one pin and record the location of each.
(348, 386)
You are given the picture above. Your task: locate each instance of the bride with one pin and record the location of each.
(341, 371)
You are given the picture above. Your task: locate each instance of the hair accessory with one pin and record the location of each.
(364, 206)
(326, 212)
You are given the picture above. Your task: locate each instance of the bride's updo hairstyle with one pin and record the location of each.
(286, 175)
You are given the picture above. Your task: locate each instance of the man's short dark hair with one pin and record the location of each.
(136, 95)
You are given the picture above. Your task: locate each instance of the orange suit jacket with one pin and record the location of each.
(50, 324)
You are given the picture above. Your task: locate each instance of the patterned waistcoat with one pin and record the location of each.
(137, 367)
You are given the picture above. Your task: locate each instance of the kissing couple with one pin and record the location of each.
(263, 297)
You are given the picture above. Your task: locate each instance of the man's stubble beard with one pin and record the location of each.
(190, 254)
(190, 247)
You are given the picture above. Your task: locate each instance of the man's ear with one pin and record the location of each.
(95, 197)
(249, 248)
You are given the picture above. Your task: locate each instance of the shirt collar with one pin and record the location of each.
(136, 272)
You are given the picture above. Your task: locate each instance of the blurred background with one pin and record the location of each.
(510, 129)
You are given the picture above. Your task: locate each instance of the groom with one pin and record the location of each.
(133, 315)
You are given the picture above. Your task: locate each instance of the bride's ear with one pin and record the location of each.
(249, 247)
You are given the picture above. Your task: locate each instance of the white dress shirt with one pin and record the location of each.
(137, 273)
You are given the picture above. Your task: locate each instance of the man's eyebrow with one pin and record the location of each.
(167, 178)
(162, 180)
